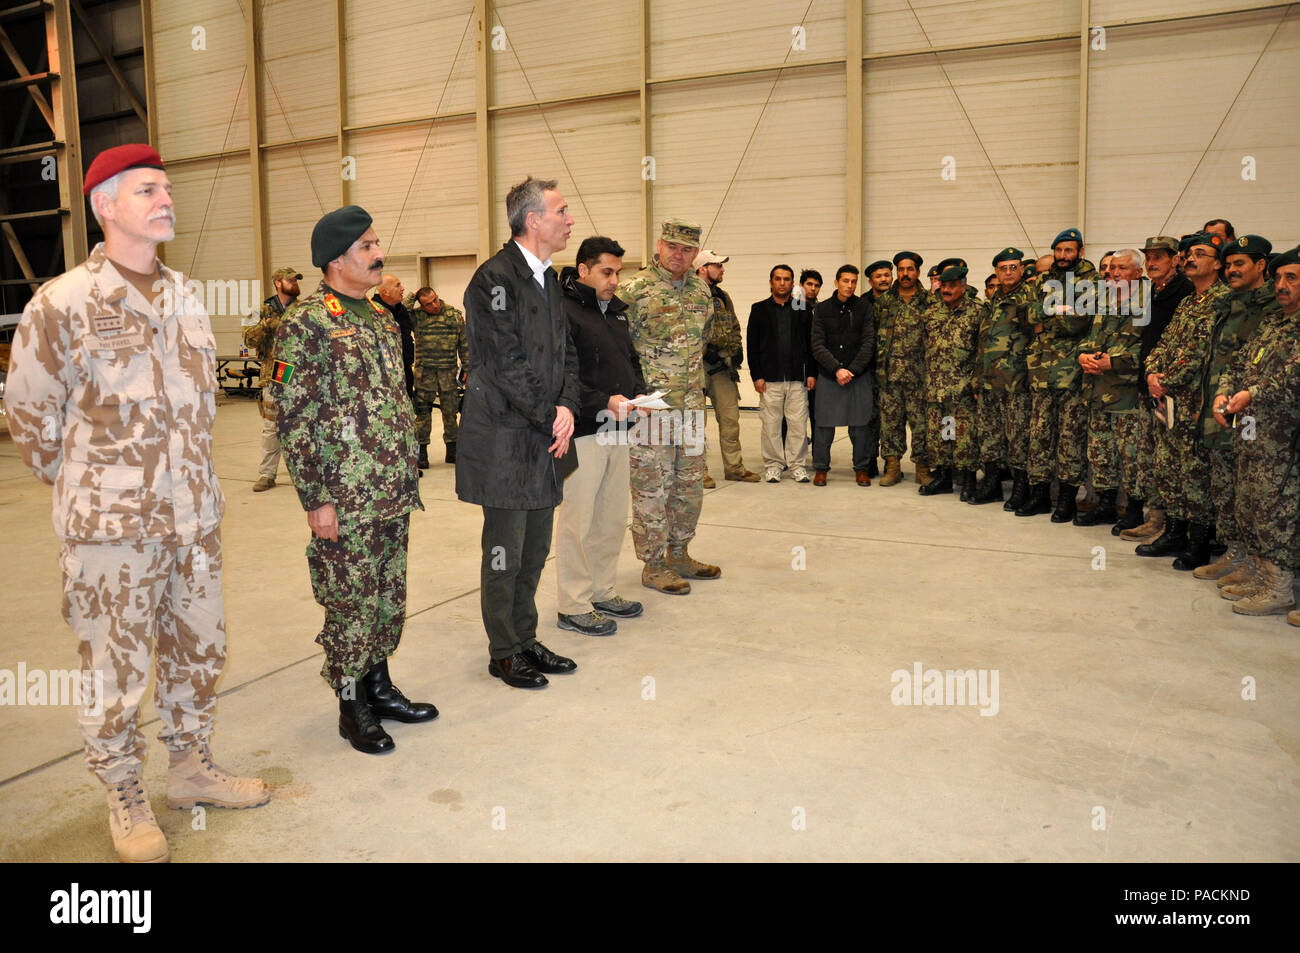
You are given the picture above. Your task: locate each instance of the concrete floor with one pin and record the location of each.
(771, 733)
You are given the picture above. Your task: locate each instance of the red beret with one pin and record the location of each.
(134, 155)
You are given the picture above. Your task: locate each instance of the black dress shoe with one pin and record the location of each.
(360, 726)
(515, 670)
(387, 701)
(544, 660)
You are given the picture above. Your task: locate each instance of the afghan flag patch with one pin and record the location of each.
(333, 305)
(281, 372)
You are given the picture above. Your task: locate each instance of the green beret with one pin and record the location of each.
(1162, 243)
(335, 233)
(1185, 242)
(1069, 235)
(912, 255)
(1288, 257)
(680, 232)
(953, 273)
(1031, 268)
(933, 272)
(1008, 254)
(1252, 245)
(1204, 238)
(949, 262)
(877, 264)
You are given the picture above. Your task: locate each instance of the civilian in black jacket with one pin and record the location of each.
(520, 400)
(590, 524)
(391, 293)
(780, 368)
(843, 345)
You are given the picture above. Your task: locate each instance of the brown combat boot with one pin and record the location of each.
(680, 562)
(193, 779)
(1293, 618)
(263, 484)
(1251, 572)
(1273, 596)
(658, 576)
(923, 474)
(137, 838)
(709, 483)
(893, 472)
(1148, 531)
(1225, 565)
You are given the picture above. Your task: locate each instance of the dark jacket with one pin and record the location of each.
(607, 362)
(843, 335)
(1163, 303)
(403, 319)
(521, 365)
(726, 325)
(766, 362)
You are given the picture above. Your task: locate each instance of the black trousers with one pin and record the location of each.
(859, 437)
(515, 546)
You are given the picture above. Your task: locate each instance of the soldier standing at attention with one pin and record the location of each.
(724, 352)
(952, 324)
(670, 313)
(440, 341)
(261, 338)
(900, 369)
(349, 441)
(1002, 412)
(111, 397)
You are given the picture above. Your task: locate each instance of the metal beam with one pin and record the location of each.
(413, 121)
(42, 213)
(745, 71)
(21, 68)
(647, 207)
(20, 256)
(566, 100)
(25, 10)
(341, 85)
(482, 131)
(109, 61)
(150, 72)
(1081, 183)
(31, 80)
(257, 177)
(854, 133)
(67, 128)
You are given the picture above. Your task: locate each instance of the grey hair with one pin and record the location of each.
(1135, 258)
(524, 198)
(107, 187)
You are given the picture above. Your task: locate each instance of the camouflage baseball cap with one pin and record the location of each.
(1161, 243)
(286, 272)
(681, 232)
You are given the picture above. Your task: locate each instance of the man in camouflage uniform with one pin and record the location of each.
(900, 369)
(724, 352)
(1176, 368)
(1002, 385)
(111, 397)
(1109, 360)
(1245, 265)
(440, 341)
(670, 313)
(1262, 386)
(349, 442)
(1058, 428)
(261, 338)
(952, 324)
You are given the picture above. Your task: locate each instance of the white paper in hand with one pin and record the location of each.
(653, 401)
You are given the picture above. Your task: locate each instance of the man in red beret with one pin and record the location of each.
(111, 397)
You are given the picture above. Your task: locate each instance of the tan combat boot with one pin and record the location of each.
(1251, 574)
(658, 576)
(1153, 527)
(923, 475)
(1244, 571)
(137, 838)
(193, 779)
(1274, 595)
(893, 472)
(1293, 618)
(709, 482)
(1225, 565)
(681, 563)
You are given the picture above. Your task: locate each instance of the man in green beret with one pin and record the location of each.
(900, 369)
(952, 326)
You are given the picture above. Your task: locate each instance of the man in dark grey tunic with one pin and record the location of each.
(843, 342)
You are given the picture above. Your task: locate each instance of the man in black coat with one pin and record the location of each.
(843, 345)
(520, 399)
(391, 293)
(781, 371)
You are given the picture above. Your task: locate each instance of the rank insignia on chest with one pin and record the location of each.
(344, 332)
(1259, 356)
(282, 372)
(389, 326)
(333, 305)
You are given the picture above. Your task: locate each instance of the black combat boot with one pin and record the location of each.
(1103, 512)
(940, 482)
(451, 452)
(358, 724)
(1132, 517)
(873, 468)
(424, 457)
(1038, 501)
(1019, 492)
(1066, 506)
(1197, 553)
(387, 701)
(1171, 542)
(965, 482)
(989, 489)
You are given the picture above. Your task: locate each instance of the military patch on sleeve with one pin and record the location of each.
(333, 305)
(344, 332)
(1259, 356)
(282, 372)
(108, 324)
(389, 326)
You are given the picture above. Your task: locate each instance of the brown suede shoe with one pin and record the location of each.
(819, 478)
(863, 479)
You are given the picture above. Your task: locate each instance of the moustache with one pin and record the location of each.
(378, 265)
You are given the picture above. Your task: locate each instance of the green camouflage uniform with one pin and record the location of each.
(1268, 475)
(1239, 316)
(440, 341)
(1058, 428)
(1002, 377)
(1114, 418)
(900, 372)
(348, 437)
(1182, 464)
(951, 339)
(669, 327)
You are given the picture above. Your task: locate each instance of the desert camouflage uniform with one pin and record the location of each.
(112, 402)
(1002, 378)
(900, 372)
(951, 338)
(1111, 398)
(348, 437)
(669, 327)
(440, 341)
(1182, 464)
